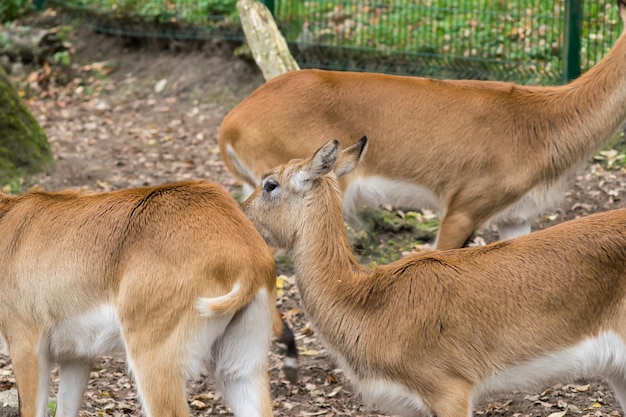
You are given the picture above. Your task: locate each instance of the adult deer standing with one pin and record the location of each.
(478, 151)
(176, 276)
(430, 333)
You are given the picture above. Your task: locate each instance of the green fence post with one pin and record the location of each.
(571, 37)
(39, 4)
(270, 5)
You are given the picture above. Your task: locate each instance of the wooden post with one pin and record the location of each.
(268, 46)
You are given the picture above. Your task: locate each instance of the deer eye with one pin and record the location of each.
(269, 186)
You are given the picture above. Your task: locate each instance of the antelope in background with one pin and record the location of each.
(478, 151)
(431, 333)
(175, 276)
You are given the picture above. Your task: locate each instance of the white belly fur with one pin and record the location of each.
(376, 190)
(98, 333)
(88, 336)
(601, 356)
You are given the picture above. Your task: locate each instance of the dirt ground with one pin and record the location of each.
(145, 114)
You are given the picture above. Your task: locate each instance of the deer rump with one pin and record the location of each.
(175, 276)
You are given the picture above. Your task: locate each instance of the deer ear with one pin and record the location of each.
(321, 163)
(324, 159)
(350, 157)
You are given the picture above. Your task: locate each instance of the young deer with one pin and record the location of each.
(176, 276)
(430, 333)
(478, 151)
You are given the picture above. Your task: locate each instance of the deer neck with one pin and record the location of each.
(591, 109)
(323, 258)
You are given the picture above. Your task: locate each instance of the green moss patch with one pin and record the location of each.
(24, 147)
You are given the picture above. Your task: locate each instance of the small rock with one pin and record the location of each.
(198, 405)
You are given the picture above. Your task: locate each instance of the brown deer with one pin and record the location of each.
(430, 333)
(478, 151)
(175, 276)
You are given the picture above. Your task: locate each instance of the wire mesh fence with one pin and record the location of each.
(481, 39)
(521, 41)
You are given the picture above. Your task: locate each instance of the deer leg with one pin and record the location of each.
(73, 378)
(511, 230)
(31, 368)
(455, 400)
(618, 384)
(241, 359)
(248, 395)
(160, 378)
(455, 230)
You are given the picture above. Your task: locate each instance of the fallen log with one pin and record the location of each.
(27, 44)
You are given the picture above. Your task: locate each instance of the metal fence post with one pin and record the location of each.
(270, 5)
(39, 4)
(571, 38)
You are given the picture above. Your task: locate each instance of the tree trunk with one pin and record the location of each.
(24, 147)
(27, 44)
(268, 46)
